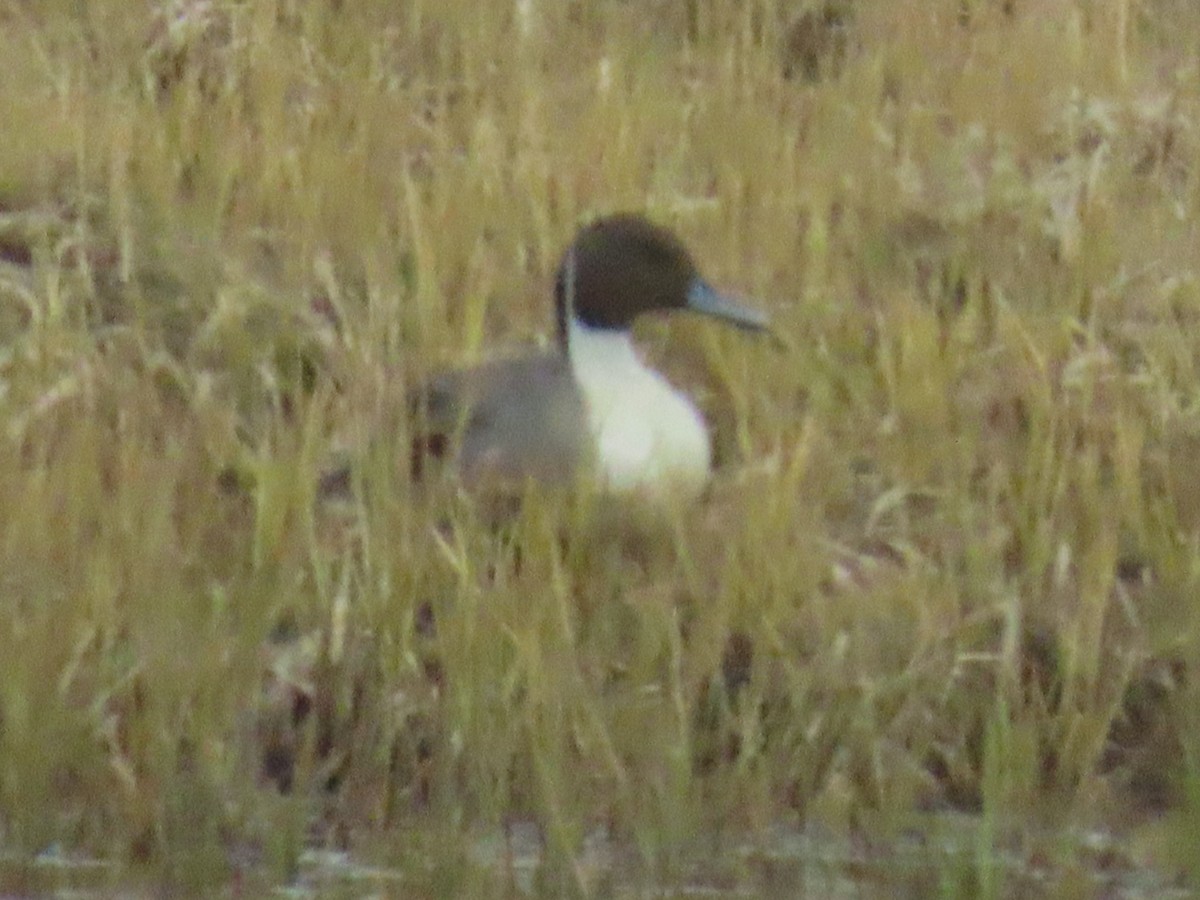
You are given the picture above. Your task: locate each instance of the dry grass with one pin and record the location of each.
(932, 632)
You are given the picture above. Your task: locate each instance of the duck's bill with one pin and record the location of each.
(704, 298)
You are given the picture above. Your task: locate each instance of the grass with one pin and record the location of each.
(933, 630)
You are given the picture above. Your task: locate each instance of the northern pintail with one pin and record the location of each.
(590, 404)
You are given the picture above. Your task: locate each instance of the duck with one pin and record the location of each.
(590, 406)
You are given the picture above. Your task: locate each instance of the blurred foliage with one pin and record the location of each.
(936, 619)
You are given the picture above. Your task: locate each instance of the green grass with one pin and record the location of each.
(933, 631)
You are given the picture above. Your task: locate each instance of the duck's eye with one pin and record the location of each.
(656, 253)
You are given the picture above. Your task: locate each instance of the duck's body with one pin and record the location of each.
(592, 404)
(647, 436)
(491, 440)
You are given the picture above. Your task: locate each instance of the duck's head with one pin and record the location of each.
(623, 265)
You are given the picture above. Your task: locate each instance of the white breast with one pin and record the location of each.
(649, 438)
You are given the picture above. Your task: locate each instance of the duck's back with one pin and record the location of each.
(510, 420)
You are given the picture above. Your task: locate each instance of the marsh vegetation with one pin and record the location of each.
(931, 631)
